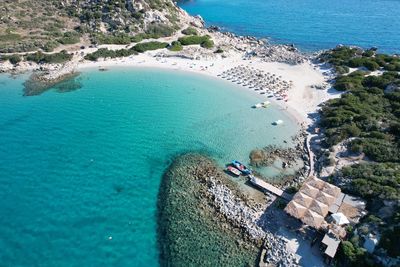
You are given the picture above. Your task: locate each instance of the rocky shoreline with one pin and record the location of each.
(39, 82)
(289, 157)
(193, 184)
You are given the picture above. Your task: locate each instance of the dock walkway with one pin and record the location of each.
(266, 186)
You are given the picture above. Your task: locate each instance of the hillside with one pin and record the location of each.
(27, 25)
(366, 120)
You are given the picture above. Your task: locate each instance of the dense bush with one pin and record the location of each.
(119, 39)
(340, 55)
(176, 46)
(194, 39)
(14, 59)
(106, 53)
(377, 149)
(143, 47)
(69, 38)
(50, 46)
(390, 241)
(342, 69)
(189, 31)
(370, 113)
(40, 57)
(159, 30)
(207, 44)
(374, 181)
(350, 82)
(352, 255)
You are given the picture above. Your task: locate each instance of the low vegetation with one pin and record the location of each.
(189, 31)
(55, 58)
(27, 26)
(147, 46)
(204, 40)
(175, 46)
(106, 53)
(368, 115)
(344, 57)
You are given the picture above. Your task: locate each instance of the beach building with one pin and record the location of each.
(321, 205)
(312, 203)
(331, 245)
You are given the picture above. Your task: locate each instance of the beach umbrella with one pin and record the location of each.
(340, 218)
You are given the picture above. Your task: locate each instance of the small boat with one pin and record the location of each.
(265, 104)
(233, 170)
(278, 122)
(261, 105)
(241, 167)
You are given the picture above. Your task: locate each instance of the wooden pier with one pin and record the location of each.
(268, 187)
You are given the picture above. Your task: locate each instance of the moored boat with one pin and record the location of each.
(241, 167)
(233, 170)
(278, 122)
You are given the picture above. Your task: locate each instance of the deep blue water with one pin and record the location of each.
(310, 24)
(80, 171)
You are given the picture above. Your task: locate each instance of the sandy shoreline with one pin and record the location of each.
(302, 99)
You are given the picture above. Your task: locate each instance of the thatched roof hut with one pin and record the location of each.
(302, 199)
(325, 198)
(319, 207)
(309, 190)
(311, 203)
(312, 219)
(295, 209)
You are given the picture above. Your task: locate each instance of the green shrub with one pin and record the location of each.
(342, 69)
(50, 46)
(159, 30)
(350, 82)
(143, 47)
(371, 65)
(390, 241)
(138, 38)
(374, 181)
(106, 53)
(14, 59)
(56, 58)
(193, 39)
(119, 39)
(176, 46)
(207, 44)
(10, 37)
(189, 31)
(69, 38)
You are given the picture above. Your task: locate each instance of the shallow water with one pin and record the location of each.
(80, 171)
(310, 24)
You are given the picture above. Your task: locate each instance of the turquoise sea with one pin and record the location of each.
(310, 24)
(80, 171)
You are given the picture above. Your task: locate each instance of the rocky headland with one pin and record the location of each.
(200, 208)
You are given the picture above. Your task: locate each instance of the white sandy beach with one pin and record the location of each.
(302, 99)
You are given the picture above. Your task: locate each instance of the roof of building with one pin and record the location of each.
(311, 203)
(332, 245)
(340, 218)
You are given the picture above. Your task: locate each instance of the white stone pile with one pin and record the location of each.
(277, 253)
(236, 210)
